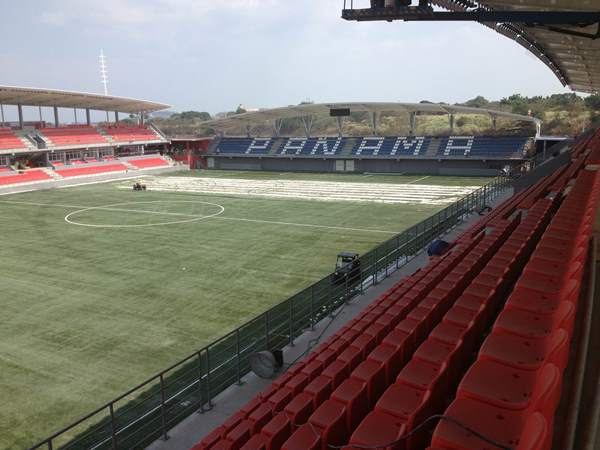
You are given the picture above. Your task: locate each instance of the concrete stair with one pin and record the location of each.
(276, 146)
(348, 146)
(434, 146)
(51, 172)
(104, 134)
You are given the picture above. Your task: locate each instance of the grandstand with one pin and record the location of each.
(42, 155)
(411, 154)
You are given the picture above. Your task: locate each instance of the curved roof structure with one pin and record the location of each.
(572, 52)
(288, 112)
(11, 95)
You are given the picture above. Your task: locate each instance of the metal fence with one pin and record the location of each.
(147, 411)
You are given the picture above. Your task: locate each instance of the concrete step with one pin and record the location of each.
(434, 146)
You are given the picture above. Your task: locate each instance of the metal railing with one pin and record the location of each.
(149, 410)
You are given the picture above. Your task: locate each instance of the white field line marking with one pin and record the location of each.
(274, 222)
(420, 179)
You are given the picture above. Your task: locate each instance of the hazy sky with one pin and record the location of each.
(212, 55)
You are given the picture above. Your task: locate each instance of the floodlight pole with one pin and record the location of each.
(307, 121)
(339, 121)
(20, 111)
(56, 116)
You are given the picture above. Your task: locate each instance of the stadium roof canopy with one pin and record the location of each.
(10, 95)
(572, 52)
(315, 109)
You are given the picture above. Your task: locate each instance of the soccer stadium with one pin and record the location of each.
(394, 274)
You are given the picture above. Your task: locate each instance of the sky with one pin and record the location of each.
(212, 55)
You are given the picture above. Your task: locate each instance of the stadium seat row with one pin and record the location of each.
(506, 147)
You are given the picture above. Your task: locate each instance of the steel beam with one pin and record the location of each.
(428, 14)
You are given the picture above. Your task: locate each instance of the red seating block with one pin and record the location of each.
(279, 399)
(320, 388)
(256, 442)
(299, 408)
(353, 395)
(297, 383)
(390, 358)
(304, 438)
(422, 374)
(526, 353)
(277, 431)
(527, 324)
(239, 435)
(377, 429)
(499, 385)
(371, 373)
(259, 417)
(329, 420)
(402, 401)
(500, 425)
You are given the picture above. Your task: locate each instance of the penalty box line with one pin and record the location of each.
(239, 219)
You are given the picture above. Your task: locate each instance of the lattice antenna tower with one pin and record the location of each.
(104, 76)
(103, 71)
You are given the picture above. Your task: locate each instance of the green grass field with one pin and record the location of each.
(135, 281)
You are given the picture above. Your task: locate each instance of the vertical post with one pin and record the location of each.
(451, 119)
(113, 427)
(291, 300)
(116, 116)
(88, 120)
(374, 121)
(2, 113)
(56, 122)
(75, 114)
(397, 251)
(20, 111)
(376, 267)
(238, 367)
(163, 413)
(40, 114)
(50, 444)
(312, 307)
(200, 382)
(267, 329)
(208, 396)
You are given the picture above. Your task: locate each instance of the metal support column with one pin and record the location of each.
(374, 122)
(307, 121)
(494, 122)
(277, 123)
(116, 116)
(56, 122)
(248, 131)
(339, 121)
(75, 114)
(88, 120)
(20, 111)
(2, 113)
(40, 114)
(413, 123)
(451, 119)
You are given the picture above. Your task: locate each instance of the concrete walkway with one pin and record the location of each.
(194, 428)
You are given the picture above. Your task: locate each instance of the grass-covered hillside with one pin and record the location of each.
(562, 114)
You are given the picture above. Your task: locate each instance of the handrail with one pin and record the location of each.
(191, 383)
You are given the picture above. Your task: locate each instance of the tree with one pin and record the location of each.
(593, 102)
(240, 110)
(191, 115)
(477, 102)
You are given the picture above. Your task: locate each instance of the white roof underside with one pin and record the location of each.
(574, 60)
(10, 95)
(288, 112)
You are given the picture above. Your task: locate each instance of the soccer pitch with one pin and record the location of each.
(102, 286)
